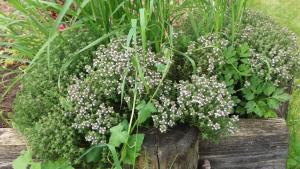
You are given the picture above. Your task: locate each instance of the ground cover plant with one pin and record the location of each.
(100, 70)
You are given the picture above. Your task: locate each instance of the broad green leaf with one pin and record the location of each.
(23, 161)
(94, 155)
(269, 89)
(160, 67)
(248, 94)
(117, 164)
(119, 134)
(145, 111)
(133, 147)
(273, 103)
(280, 95)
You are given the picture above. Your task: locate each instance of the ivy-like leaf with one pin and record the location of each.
(145, 111)
(94, 155)
(160, 67)
(133, 148)
(119, 134)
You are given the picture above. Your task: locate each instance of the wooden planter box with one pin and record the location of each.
(258, 144)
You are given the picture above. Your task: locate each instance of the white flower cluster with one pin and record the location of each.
(89, 113)
(210, 53)
(167, 109)
(204, 100)
(274, 51)
(96, 95)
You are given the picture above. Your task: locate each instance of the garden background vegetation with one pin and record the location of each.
(97, 71)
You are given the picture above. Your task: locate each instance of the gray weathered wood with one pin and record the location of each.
(258, 144)
(261, 144)
(177, 149)
(11, 144)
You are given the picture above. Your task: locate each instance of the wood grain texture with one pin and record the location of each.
(11, 144)
(177, 149)
(258, 144)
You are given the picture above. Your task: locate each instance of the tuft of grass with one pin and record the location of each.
(294, 128)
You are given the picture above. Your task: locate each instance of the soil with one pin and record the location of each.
(7, 77)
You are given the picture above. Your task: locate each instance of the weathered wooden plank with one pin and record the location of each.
(11, 144)
(177, 149)
(261, 144)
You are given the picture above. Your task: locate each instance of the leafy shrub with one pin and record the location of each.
(38, 106)
(96, 96)
(257, 67)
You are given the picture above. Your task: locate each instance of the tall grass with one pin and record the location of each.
(34, 29)
(215, 14)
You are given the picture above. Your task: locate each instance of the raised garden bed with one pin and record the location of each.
(257, 144)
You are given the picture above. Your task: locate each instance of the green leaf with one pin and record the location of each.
(160, 67)
(94, 155)
(58, 164)
(244, 49)
(248, 94)
(245, 70)
(133, 148)
(36, 165)
(252, 107)
(65, 103)
(269, 89)
(23, 161)
(270, 114)
(119, 134)
(273, 103)
(145, 111)
(280, 95)
(229, 54)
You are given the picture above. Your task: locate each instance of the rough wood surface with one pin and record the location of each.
(177, 149)
(258, 144)
(11, 144)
